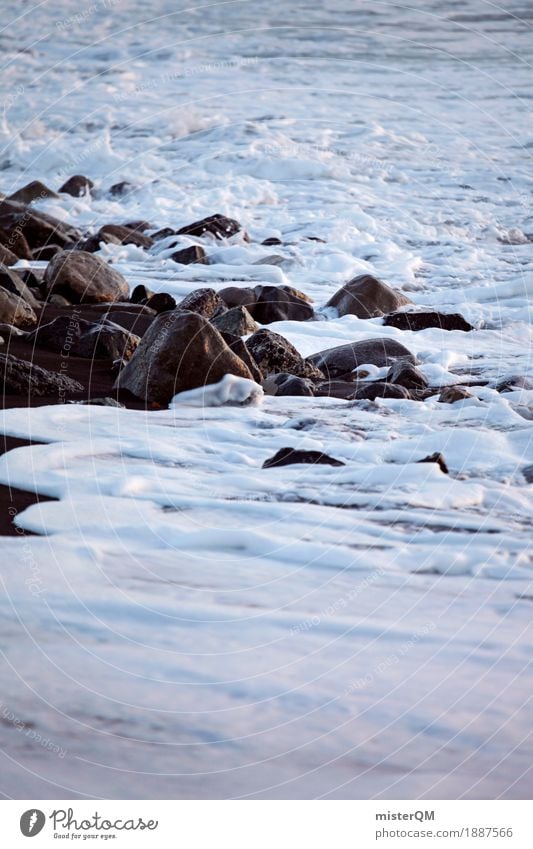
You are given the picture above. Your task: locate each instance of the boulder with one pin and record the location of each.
(7, 257)
(116, 234)
(239, 296)
(379, 389)
(32, 191)
(218, 225)
(161, 302)
(77, 186)
(451, 394)
(436, 458)
(405, 374)
(15, 241)
(271, 241)
(37, 227)
(121, 189)
(139, 225)
(15, 310)
(84, 278)
(140, 294)
(290, 456)
(238, 346)
(342, 389)
(514, 382)
(13, 283)
(275, 354)
(280, 303)
(46, 253)
(428, 318)
(287, 384)
(23, 378)
(366, 297)
(236, 321)
(205, 302)
(345, 358)
(180, 350)
(188, 256)
(77, 337)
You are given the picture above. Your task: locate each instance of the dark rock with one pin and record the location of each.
(238, 346)
(423, 320)
(161, 302)
(236, 321)
(272, 240)
(138, 226)
(379, 389)
(345, 358)
(7, 257)
(23, 378)
(77, 186)
(436, 458)
(406, 374)
(164, 233)
(218, 225)
(451, 394)
(205, 302)
(140, 294)
(116, 234)
(77, 337)
(287, 384)
(527, 471)
(38, 228)
(124, 187)
(342, 389)
(514, 382)
(366, 297)
(274, 354)
(280, 303)
(46, 253)
(180, 350)
(13, 283)
(188, 256)
(82, 277)
(102, 402)
(15, 241)
(290, 456)
(32, 191)
(236, 296)
(14, 309)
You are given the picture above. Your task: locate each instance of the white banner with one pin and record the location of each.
(268, 824)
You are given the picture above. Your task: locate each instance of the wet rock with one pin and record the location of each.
(379, 389)
(102, 402)
(189, 256)
(77, 337)
(161, 302)
(405, 374)
(239, 296)
(514, 382)
(46, 253)
(9, 331)
(116, 234)
(238, 346)
(38, 228)
(13, 283)
(451, 394)
(140, 294)
(527, 471)
(344, 358)
(280, 303)
(287, 384)
(272, 240)
(15, 310)
(24, 378)
(291, 456)
(32, 191)
(84, 278)
(180, 351)
(139, 225)
(423, 320)
(121, 189)
(366, 297)
(236, 321)
(217, 225)
(205, 302)
(77, 186)
(164, 233)
(342, 389)
(7, 257)
(15, 241)
(436, 458)
(274, 354)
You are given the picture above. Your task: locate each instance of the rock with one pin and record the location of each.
(7, 257)
(38, 228)
(272, 240)
(406, 374)
(436, 458)
(116, 234)
(274, 354)
(342, 389)
(205, 302)
(102, 402)
(379, 389)
(287, 384)
(84, 278)
(366, 297)
(451, 394)
(180, 351)
(13, 283)
(218, 225)
(345, 358)
(32, 191)
(46, 253)
(423, 320)
(527, 471)
(237, 296)
(121, 189)
(290, 456)
(164, 233)
(15, 241)
(188, 256)
(280, 303)
(140, 294)
(236, 321)
(24, 378)
(138, 226)
(514, 382)
(77, 186)
(58, 301)
(15, 310)
(237, 345)
(8, 331)
(77, 337)
(161, 302)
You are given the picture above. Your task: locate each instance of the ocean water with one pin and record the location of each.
(187, 624)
